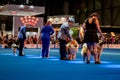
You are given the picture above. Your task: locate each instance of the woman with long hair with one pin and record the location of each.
(92, 27)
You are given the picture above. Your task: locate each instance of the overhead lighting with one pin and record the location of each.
(29, 20)
(26, 7)
(1, 7)
(21, 6)
(31, 7)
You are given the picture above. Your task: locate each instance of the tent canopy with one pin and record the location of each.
(21, 10)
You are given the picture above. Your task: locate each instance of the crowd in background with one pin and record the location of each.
(7, 40)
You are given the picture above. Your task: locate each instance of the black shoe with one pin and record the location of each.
(88, 61)
(21, 55)
(47, 56)
(97, 62)
(63, 59)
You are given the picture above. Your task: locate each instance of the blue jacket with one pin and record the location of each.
(46, 31)
(22, 33)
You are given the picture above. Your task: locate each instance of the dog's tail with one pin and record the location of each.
(83, 50)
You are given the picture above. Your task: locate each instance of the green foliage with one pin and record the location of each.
(75, 32)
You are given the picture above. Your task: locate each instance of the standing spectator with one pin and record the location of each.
(22, 37)
(91, 26)
(63, 36)
(46, 31)
(35, 39)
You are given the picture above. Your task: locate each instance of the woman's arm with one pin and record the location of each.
(52, 30)
(98, 28)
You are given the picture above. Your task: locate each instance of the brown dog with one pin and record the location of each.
(72, 49)
(99, 51)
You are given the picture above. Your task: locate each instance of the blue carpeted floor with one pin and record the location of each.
(33, 67)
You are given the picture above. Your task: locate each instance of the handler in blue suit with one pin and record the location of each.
(22, 37)
(46, 31)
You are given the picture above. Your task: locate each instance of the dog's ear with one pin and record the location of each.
(101, 43)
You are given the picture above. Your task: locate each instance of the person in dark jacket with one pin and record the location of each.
(22, 37)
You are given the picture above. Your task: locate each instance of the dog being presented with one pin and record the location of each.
(99, 51)
(14, 48)
(72, 49)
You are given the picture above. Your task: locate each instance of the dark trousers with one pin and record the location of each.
(21, 46)
(45, 50)
(62, 45)
(45, 47)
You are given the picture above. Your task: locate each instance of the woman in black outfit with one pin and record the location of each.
(91, 26)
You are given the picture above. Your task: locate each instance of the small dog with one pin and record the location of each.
(99, 50)
(14, 47)
(72, 49)
(84, 51)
